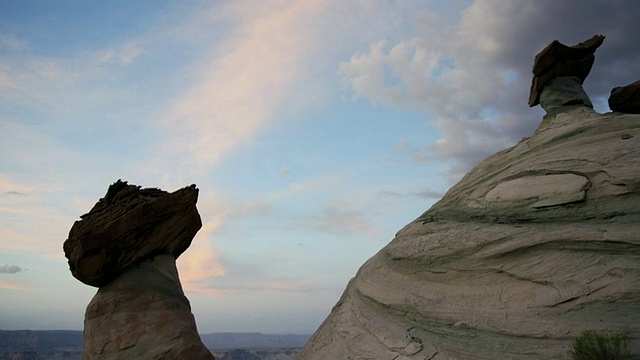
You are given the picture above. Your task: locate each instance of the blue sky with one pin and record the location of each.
(315, 130)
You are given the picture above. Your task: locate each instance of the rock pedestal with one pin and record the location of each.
(143, 314)
(127, 246)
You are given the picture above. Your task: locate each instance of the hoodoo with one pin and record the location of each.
(535, 245)
(127, 245)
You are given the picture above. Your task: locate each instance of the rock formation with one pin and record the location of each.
(533, 246)
(559, 60)
(626, 99)
(127, 246)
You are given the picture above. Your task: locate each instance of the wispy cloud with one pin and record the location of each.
(10, 269)
(12, 285)
(239, 92)
(11, 43)
(430, 193)
(201, 263)
(342, 222)
(284, 171)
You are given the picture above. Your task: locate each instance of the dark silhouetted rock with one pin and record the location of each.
(129, 225)
(626, 99)
(557, 60)
(128, 245)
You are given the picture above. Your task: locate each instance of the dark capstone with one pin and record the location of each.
(626, 99)
(129, 225)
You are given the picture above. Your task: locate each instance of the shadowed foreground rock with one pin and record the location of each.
(128, 245)
(626, 99)
(533, 246)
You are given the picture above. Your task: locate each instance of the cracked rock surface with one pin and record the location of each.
(533, 246)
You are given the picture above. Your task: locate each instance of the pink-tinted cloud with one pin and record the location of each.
(12, 285)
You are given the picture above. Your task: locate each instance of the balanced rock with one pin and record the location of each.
(557, 60)
(535, 245)
(626, 99)
(129, 225)
(128, 245)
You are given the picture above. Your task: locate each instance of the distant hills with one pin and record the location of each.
(69, 340)
(40, 340)
(252, 341)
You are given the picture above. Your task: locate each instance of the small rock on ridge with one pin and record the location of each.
(558, 59)
(626, 99)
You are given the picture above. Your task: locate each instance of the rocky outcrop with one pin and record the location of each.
(559, 60)
(128, 245)
(129, 225)
(533, 246)
(626, 99)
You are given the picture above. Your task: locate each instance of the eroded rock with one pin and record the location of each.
(143, 314)
(559, 60)
(542, 190)
(533, 246)
(626, 99)
(127, 245)
(128, 225)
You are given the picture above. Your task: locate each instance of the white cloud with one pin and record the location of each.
(473, 78)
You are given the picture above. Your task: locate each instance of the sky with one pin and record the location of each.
(314, 129)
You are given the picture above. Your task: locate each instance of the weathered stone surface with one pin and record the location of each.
(563, 91)
(549, 190)
(128, 225)
(533, 246)
(626, 99)
(558, 60)
(143, 314)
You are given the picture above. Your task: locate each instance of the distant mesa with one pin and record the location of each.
(535, 245)
(127, 246)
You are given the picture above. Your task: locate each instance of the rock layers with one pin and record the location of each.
(533, 246)
(127, 246)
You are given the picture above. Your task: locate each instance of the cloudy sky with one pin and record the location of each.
(314, 130)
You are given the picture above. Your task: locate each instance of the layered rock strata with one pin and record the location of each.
(533, 246)
(128, 225)
(128, 245)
